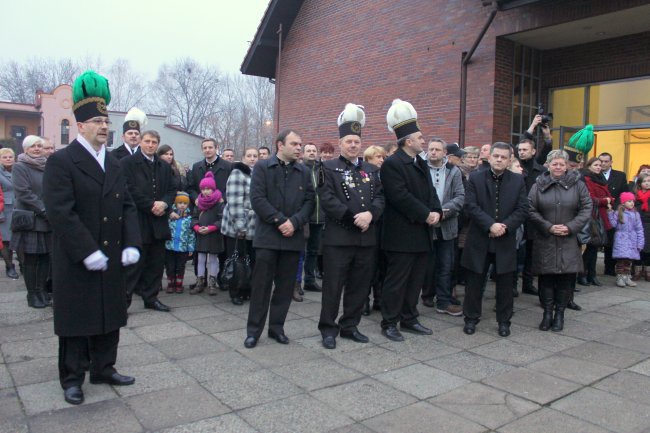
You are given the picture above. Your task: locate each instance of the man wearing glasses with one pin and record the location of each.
(95, 235)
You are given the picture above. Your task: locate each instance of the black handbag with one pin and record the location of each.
(597, 232)
(22, 220)
(236, 276)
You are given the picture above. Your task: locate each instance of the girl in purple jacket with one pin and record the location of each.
(628, 240)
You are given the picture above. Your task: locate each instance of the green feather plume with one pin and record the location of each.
(90, 84)
(583, 140)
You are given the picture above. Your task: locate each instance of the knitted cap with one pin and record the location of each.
(208, 181)
(182, 197)
(625, 196)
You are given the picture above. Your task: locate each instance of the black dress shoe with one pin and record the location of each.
(392, 333)
(428, 302)
(469, 328)
(11, 272)
(329, 342)
(73, 395)
(116, 379)
(573, 306)
(416, 328)
(250, 342)
(583, 281)
(594, 282)
(355, 336)
(531, 290)
(237, 300)
(279, 337)
(158, 306)
(504, 329)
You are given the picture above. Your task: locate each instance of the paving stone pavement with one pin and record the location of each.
(194, 375)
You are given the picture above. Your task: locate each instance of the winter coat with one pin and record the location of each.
(480, 206)
(599, 192)
(558, 201)
(238, 214)
(278, 194)
(452, 202)
(645, 220)
(28, 193)
(89, 209)
(8, 192)
(629, 238)
(410, 197)
(182, 232)
(316, 173)
(212, 242)
(221, 170)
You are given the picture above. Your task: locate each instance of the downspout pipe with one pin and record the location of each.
(466, 57)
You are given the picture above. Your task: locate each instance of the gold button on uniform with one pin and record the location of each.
(105, 243)
(105, 219)
(117, 195)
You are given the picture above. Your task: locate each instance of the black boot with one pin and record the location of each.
(558, 320)
(33, 298)
(42, 273)
(561, 299)
(583, 281)
(546, 293)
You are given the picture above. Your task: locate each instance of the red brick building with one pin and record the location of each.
(588, 61)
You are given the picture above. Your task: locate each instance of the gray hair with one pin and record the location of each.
(472, 150)
(557, 154)
(31, 140)
(501, 145)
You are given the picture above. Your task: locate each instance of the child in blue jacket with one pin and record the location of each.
(181, 245)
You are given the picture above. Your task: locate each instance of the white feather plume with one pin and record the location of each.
(352, 113)
(399, 112)
(138, 115)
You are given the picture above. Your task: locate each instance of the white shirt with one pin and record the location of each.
(99, 156)
(128, 148)
(607, 173)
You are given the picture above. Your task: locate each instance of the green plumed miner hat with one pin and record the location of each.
(91, 95)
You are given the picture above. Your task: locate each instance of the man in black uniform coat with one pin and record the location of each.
(412, 208)
(353, 201)
(282, 196)
(134, 121)
(496, 204)
(617, 183)
(95, 234)
(153, 189)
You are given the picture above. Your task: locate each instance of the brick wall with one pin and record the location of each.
(372, 51)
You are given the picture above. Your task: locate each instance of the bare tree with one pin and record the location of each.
(128, 88)
(19, 82)
(188, 93)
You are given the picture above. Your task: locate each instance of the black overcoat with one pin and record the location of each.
(139, 177)
(617, 183)
(350, 189)
(221, 171)
(276, 198)
(89, 210)
(410, 197)
(480, 208)
(122, 152)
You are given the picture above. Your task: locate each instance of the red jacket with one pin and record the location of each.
(599, 194)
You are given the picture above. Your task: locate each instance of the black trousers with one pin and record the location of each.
(352, 268)
(147, 273)
(589, 260)
(96, 353)
(556, 289)
(527, 274)
(271, 267)
(609, 261)
(175, 262)
(473, 303)
(404, 279)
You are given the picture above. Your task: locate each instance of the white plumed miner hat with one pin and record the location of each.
(351, 120)
(402, 119)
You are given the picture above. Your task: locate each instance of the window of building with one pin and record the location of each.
(65, 131)
(111, 135)
(620, 113)
(526, 86)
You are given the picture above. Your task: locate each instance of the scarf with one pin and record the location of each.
(208, 202)
(643, 197)
(38, 163)
(597, 178)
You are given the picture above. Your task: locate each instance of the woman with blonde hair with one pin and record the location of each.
(7, 160)
(374, 155)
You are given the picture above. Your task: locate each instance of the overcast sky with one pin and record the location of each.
(146, 33)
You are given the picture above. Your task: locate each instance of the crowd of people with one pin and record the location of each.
(381, 227)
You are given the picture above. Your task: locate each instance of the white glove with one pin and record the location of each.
(130, 256)
(97, 261)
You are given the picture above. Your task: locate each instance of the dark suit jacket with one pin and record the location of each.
(221, 171)
(276, 199)
(89, 210)
(617, 183)
(122, 152)
(479, 207)
(139, 173)
(410, 197)
(341, 199)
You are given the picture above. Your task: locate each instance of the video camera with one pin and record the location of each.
(545, 117)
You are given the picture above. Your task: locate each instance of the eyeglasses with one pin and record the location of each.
(99, 121)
